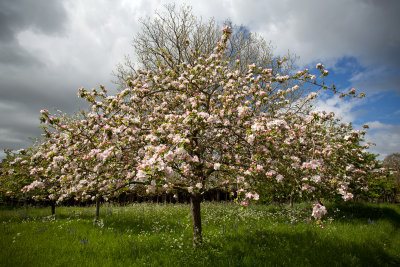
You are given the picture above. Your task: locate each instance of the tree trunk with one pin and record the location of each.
(97, 213)
(196, 217)
(53, 208)
(291, 200)
(218, 195)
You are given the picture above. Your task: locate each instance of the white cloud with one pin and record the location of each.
(347, 110)
(375, 125)
(386, 137)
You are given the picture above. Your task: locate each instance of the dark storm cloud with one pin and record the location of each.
(13, 54)
(21, 94)
(46, 17)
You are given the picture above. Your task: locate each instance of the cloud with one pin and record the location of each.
(377, 80)
(44, 16)
(49, 49)
(348, 110)
(385, 136)
(377, 125)
(47, 17)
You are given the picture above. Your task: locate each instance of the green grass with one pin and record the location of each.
(161, 235)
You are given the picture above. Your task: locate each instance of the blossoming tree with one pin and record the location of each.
(14, 174)
(311, 157)
(197, 126)
(88, 158)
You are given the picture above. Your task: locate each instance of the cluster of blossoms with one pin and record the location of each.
(318, 211)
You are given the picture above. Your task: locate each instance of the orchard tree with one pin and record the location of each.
(20, 175)
(194, 127)
(44, 165)
(208, 118)
(318, 158)
(14, 174)
(90, 158)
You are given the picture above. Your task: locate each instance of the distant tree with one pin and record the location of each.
(14, 174)
(392, 162)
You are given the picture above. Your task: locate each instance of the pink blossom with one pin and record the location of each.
(318, 211)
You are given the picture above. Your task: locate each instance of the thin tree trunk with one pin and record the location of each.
(196, 217)
(53, 208)
(97, 213)
(291, 200)
(218, 195)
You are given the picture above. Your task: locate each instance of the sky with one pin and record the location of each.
(50, 48)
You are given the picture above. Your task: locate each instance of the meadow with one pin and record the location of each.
(146, 234)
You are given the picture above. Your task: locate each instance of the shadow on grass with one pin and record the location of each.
(367, 211)
(272, 248)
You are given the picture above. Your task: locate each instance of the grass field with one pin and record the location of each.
(161, 235)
